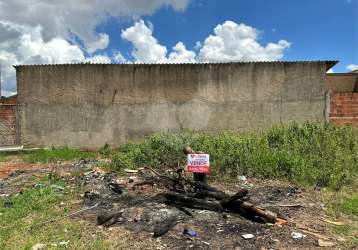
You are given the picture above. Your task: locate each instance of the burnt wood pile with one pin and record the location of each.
(197, 194)
(184, 193)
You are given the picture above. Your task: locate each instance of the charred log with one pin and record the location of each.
(210, 194)
(185, 201)
(267, 215)
(238, 196)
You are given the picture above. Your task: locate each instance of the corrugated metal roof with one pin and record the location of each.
(329, 63)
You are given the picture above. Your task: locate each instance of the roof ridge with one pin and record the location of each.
(183, 63)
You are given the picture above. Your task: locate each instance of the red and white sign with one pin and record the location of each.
(198, 163)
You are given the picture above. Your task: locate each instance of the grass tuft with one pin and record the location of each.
(309, 154)
(49, 155)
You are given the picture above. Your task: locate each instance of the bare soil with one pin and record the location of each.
(143, 211)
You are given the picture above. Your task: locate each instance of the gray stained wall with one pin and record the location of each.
(88, 105)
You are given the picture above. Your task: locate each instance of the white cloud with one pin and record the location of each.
(330, 71)
(99, 59)
(230, 42)
(30, 48)
(33, 49)
(100, 44)
(146, 47)
(119, 58)
(181, 55)
(239, 42)
(352, 67)
(148, 50)
(7, 59)
(198, 45)
(67, 17)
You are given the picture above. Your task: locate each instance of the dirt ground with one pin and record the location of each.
(142, 211)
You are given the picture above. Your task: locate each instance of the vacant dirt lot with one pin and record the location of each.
(68, 189)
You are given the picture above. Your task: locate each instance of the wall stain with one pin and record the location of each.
(114, 96)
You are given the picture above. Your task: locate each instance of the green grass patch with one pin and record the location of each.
(49, 155)
(53, 155)
(22, 213)
(342, 202)
(349, 205)
(346, 230)
(2, 157)
(308, 154)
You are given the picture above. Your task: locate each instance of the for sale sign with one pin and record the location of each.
(198, 163)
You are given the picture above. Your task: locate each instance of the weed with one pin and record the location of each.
(309, 154)
(105, 151)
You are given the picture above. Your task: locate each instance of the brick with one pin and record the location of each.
(7, 125)
(344, 109)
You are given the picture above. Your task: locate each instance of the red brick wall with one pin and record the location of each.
(344, 109)
(7, 125)
(9, 100)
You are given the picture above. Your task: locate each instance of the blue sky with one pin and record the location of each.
(129, 31)
(317, 29)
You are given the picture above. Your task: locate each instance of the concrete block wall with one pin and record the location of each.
(7, 125)
(344, 109)
(88, 105)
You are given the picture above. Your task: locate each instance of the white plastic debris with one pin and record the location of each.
(64, 243)
(247, 236)
(131, 171)
(206, 243)
(38, 246)
(297, 235)
(242, 178)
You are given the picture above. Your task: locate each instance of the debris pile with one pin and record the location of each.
(199, 195)
(156, 201)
